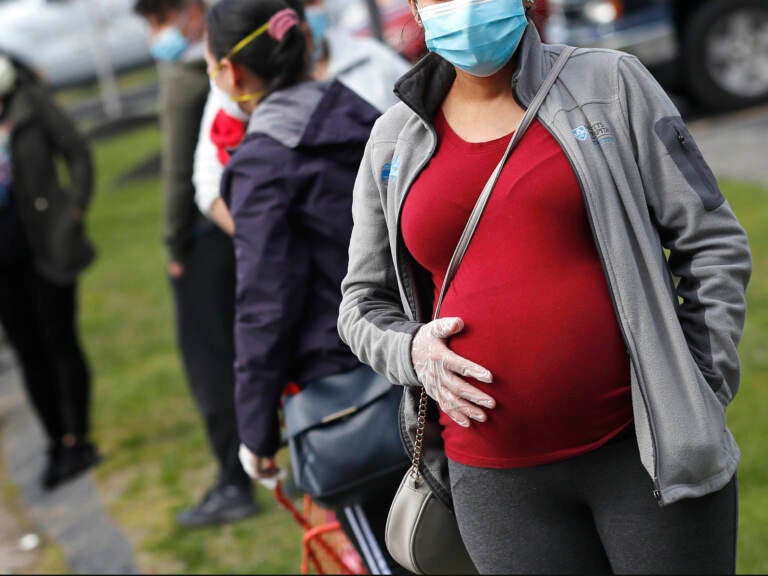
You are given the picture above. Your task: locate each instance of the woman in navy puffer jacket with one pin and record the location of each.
(289, 189)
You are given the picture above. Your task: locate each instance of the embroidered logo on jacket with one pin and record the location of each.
(599, 132)
(580, 133)
(390, 170)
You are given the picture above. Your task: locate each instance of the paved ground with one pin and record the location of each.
(12, 558)
(71, 516)
(736, 145)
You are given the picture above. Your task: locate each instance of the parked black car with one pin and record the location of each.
(718, 49)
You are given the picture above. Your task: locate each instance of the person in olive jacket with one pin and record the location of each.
(43, 249)
(201, 258)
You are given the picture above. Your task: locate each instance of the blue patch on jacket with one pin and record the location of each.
(390, 170)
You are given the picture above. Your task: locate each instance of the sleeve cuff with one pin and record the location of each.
(410, 376)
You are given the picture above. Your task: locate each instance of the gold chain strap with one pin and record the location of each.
(418, 446)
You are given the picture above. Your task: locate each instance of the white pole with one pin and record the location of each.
(110, 94)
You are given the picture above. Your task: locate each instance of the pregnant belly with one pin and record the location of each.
(561, 372)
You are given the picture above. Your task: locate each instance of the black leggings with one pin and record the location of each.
(590, 514)
(40, 321)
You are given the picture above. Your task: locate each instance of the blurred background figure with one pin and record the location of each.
(43, 249)
(200, 257)
(367, 66)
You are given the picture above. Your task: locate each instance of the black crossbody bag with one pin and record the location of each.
(343, 436)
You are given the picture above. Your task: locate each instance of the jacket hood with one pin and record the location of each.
(314, 114)
(425, 86)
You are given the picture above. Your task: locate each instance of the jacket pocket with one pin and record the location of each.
(688, 158)
(68, 249)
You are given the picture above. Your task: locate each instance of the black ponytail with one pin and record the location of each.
(279, 64)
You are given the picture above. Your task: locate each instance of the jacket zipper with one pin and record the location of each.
(656, 491)
(401, 204)
(401, 278)
(432, 482)
(690, 155)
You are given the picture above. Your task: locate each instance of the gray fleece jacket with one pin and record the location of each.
(646, 188)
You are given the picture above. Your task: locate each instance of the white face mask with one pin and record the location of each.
(226, 103)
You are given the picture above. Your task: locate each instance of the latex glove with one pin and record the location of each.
(442, 372)
(262, 469)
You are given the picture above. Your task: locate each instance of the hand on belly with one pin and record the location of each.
(443, 372)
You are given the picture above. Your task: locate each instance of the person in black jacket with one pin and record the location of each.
(43, 249)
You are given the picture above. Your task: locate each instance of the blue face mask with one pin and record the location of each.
(317, 18)
(478, 36)
(169, 45)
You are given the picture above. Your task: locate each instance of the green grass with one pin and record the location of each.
(157, 460)
(748, 415)
(126, 81)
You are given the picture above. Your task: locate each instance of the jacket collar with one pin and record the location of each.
(195, 53)
(20, 110)
(425, 86)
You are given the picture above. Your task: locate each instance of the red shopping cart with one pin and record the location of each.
(325, 547)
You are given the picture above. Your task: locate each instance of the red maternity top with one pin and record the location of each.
(533, 297)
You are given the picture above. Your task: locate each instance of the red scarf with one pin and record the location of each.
(226, 133)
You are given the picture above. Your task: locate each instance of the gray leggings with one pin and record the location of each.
(590, 514)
